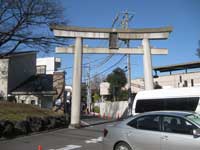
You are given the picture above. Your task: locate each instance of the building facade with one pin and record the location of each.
(47, 65)
(20, 80)
(15, 69)
(178, 75)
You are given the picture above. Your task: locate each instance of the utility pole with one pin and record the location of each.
(88, 88)
(127, 16)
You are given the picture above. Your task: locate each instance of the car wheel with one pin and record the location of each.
(122, 146)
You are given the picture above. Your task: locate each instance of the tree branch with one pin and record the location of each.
(23, 19)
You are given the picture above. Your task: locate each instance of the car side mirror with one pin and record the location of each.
(196, 132)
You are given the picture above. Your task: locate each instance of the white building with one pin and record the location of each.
(179, 75)
(47, 65)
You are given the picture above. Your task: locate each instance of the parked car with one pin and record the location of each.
(158, 130)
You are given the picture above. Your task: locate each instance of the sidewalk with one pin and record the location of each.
(90, 120)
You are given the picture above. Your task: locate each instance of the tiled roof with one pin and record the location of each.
(8, 55)
(182, 66)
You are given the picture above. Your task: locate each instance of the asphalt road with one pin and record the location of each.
(88, 138)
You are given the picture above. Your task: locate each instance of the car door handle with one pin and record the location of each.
(164, 137)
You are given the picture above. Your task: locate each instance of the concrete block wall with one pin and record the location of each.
(113, 109)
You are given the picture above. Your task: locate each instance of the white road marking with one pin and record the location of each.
(68, 147)
(97, 140)
(71, 147)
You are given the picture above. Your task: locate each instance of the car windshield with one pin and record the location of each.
(194, 118)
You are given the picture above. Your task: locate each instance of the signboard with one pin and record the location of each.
(104, 88)
(113, 41)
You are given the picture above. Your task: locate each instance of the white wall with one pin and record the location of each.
(49, 62)
(41, 101)
(27, 99)
(113, 109)
(168, 81)
(174, 79)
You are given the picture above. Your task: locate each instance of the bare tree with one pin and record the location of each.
(25, 23)
(95, 83)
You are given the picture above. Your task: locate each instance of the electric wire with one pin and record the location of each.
(107, 69)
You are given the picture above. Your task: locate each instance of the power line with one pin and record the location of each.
(124, 19)
(109, 67)
(71, 67)
(110, 55)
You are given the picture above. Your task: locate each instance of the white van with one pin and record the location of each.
(167, 99)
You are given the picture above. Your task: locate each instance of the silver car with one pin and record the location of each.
(160, 130)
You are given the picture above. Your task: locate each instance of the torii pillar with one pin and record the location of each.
(148, 76)
(76, 86)
(95, 33)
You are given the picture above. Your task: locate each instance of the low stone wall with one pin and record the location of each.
(113, 109)
(10, 129)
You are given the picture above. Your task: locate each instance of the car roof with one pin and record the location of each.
(168, 93)
(171, 113)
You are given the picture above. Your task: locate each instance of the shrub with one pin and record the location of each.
(96, 109)
(22, 119)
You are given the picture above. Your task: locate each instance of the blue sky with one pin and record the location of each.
(182, 15)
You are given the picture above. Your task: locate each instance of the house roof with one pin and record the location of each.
(175, 67)
(36, 85)
(9, 55)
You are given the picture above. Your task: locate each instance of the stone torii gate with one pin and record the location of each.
(113, 35)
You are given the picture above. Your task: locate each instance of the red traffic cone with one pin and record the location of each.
(39, 147)
(104, 116)
(109, 117)
(99, 115)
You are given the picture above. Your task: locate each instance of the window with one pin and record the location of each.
(149, 105)
(180, 78)
(192, 82)
(33, 102)
(41, 69)
(187, 104)
(185, 83)
(177, 125)
(194, 117)
(146, 123)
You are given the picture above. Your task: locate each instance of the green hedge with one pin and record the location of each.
(96, 109)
